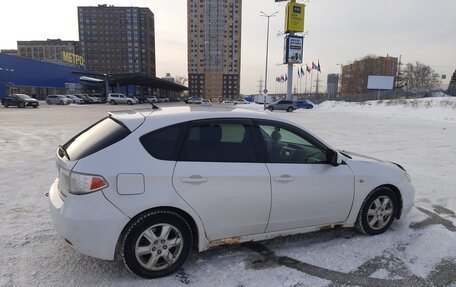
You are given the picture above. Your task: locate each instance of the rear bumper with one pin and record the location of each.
(90, 222)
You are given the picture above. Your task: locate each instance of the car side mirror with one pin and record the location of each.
(334, 158)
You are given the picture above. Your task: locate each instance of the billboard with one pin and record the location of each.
(380, 83)
(294, 17)
(293, 52)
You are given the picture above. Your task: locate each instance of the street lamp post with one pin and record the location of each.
(265, 92)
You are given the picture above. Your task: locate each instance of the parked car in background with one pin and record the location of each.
(57, 100)
(70, 100)
(240, 102)
(163, 99)
(116, 98)
(152, 99)
(304, 104)
(76, 99)
(20, 101)
(282, 105)
(154, 184)
(85, 98)
(227, 101)
(97, 98)
(205, 102)
(193, 100)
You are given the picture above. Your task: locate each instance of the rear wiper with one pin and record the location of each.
(63, 152)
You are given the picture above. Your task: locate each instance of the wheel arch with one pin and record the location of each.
(398, 197)
(187, 217)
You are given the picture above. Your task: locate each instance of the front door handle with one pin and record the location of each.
(194, 179)
(284, 178)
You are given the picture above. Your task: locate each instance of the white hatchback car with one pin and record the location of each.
(155, 183)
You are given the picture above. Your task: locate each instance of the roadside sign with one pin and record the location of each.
(293, 53)
(294, 17)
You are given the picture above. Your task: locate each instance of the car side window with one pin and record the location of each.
(219, 141)
(165, 143)
(287, 146)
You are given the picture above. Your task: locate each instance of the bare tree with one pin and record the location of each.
(452, 86)
(420, 76)
(181, 80)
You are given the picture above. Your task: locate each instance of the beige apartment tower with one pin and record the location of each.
(214, 48)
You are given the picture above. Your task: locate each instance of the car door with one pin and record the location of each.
(306, 189)
(218, 174)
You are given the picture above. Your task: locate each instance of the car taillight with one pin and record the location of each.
(86, 183)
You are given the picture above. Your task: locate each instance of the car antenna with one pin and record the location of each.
(154, 107)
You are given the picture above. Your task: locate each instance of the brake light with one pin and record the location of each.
(97, 183)
(86, 183)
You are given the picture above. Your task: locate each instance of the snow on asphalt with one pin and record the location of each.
(419, 134)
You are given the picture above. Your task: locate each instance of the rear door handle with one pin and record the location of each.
(284, 178)
(194, 179)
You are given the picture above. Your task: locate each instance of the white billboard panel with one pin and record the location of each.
(380, 83)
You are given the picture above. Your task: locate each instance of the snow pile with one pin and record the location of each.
(442, 108)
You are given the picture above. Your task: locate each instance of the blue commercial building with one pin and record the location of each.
(36, 78)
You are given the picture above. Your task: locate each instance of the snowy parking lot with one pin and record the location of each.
(417, 251)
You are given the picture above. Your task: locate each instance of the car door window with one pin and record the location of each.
(286, 146)
(219, 141)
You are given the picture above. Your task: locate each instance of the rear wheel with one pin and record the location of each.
(290, 109)
(112, 102)
(49, 102)
(129, 102)
(6, 105)
(157, 244)
(377, 212)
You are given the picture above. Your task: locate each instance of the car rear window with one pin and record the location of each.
(165, 143)
(102, 134)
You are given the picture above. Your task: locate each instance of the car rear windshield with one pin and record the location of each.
(104, 133)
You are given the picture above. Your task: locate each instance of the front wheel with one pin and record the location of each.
(290, 109)
(21, 105)
(271, 109)
(157, 244)
(377, 212)
(129, 102)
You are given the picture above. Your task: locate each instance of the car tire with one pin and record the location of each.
(377, 212)
(21, 105)
(35, 107)
(147, 242)
(129, 102)
(6, 105)
(290, 109)
(112, 102)
(49, 102)
(61, 103)
(271, 109)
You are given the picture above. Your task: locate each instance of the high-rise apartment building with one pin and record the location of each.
(52, 50)
(117, 39)
(214, 48)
